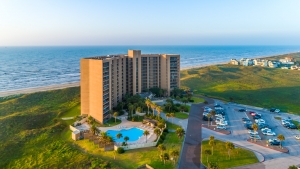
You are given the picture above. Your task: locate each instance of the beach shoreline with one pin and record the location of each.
(77, 84)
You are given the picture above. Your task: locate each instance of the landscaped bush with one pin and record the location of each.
(120, 150)
(166, 130)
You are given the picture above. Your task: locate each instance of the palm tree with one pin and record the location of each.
(207, 153)
(213, 113)
(211, 138)
(172, 115)
(139, 109)
(175, 154)
(122, 104)
(111, 113)
(161, 148)
(146, 133)
(148, 103)
(109, 140)
(158, 109)
(212, 143)
(169, 105)
(90, 119)
(153, 107)
(119, 135)
(281, 138)
(229, 147)
(131, 108)
(255, 128)
(93, 129)
(161, 126)
(184, 100)
(165, 157)
(126, 138)
(157, 132)
(115, 115)
(182, 107)
(180, 132)
(208, 118)
(168, 115)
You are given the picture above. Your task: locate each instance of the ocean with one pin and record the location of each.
(27, 67)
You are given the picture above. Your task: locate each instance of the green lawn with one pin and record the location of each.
(257, 86)
(197, 100)
(239, 156)
(181, 115)
(111, 122)
(172, 126)
(134, 158)
(277, 118)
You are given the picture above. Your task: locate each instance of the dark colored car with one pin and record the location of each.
(245, 119)
(249, 126)
(263, 126)
(256, 117)
(205, 118)
(272, 109)
(286, 125)
(220, 112)
(275, 143)
(242, 110)
(292, 126)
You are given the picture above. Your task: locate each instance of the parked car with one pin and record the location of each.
(269, 133)
(272, 109)
(252, 132)
(257, 137)
(245, 118)
(259, 121)
(248, 122)
(283, 122)
(242, 110)
(205, 118)
(256, 117)
(274, 142)
(249, 126)
(277, 111)
(297, 137)
(265, 129)
(262, 125)
(223, 127)
(220, 112)
(251, 113)
(292, 126)
(222, 122)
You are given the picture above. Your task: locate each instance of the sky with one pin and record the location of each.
(149, 22)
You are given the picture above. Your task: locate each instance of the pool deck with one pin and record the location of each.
(125, 124)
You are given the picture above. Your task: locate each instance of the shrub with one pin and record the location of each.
(166, 130)
(121, 112)
(205, 102)
(120, 150)
(162, 137)
(192, 100)
(177, 105)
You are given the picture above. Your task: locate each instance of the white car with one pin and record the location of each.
(283, 122)
(270, 140)
(221, 122)
(259, 121)
(223, 127)
(297, 137)
(277, 111)
(219, 115)
(252, 132)
(265, 130)
(269, 133)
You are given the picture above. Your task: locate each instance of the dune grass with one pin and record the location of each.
(257, 86)
(239, 156)
(75, 111)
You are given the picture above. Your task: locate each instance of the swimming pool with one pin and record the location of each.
(133, 133)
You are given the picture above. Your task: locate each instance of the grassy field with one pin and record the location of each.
(172, 126)
(111, 122)
(31, 132)
(258, 86)
(181, 115)
(239, 156)
(197, 100)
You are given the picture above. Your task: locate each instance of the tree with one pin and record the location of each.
(161, 148)
(139, 109)
(180, 132)
(208, 117)
(229, 147)
(281, 138)
(293, 167)
(153, 107)
(182, 108)
(131, 108)
(172, 115)
(175, 154)
(157, 132)
(168, 115)
(90, 120)
(146, 133)
(207, 153)
(211, 138)
(212, 143)
(213, 113)
(185, 100)
(122, 104)
(111, 113)
(158, 109)
(161, 126)
(189, 96)
(255, 128)
(116, 115)
(148, 103)
(119, 135)
(169, 105)
(105, 139)
(212, 165)
(165, 157)
(126, 138)
(93, 129)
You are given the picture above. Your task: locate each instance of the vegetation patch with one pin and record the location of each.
(277, 118)
(219, 155)
(181, 115)
(252, 85)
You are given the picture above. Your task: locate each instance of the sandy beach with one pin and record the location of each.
(38, 89)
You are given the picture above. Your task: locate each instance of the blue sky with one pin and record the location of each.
(145, 22)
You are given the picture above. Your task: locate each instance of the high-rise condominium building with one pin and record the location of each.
(104, 80)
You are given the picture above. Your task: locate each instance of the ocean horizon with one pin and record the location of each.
(36, 66)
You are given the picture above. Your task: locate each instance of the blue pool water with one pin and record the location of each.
(133, 133)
